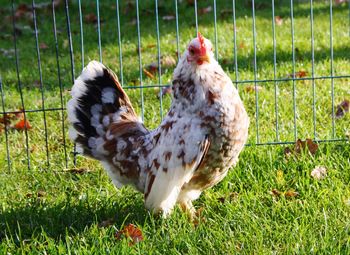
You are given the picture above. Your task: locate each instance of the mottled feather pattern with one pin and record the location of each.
(192, 149)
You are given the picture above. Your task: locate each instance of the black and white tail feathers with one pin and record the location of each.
(97, 101)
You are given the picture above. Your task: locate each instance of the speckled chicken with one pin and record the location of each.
(193, 148)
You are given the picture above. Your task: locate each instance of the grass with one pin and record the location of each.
(50, 210)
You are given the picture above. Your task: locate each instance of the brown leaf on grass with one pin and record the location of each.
(205, 10)
(190, 2)
(6, 119)
(319, 172)
(167, 61)
(302, 146)
(106, 223)
(230, 197)
(91, 18)
(241, 45)
(275, 192)
(299, 74)
(22, 125)
(148, 74)
(43, 46)
(41, 193)
(307, 144)
(152, 68)
(288, 194)
(250, 89)
(77, 170)
(342, 108)
(150, 46)
(129, 7)
(278, 20)
(291, 193)
(338, 2)
(23, 11)
(168, 17)
(130, 232)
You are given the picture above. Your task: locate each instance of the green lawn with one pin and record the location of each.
(49, 209)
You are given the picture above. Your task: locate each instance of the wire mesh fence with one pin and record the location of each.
(288, 59)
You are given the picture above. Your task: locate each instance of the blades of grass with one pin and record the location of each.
(293, 80)
(159, 63)
(275, 71)
(255, 77)
(215, 33)
(5, 127)
(71, 54)
(331, 64)
(140, 58)
(119, 45)
(235, 41)
(81, 35)
(177, 31)
(196, 15)
(63, 129)
(20, 86)
(41, 83)
(313, 67)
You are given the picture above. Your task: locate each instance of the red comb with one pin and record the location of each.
(201, 41)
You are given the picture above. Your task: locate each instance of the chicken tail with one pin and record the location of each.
(98, 105)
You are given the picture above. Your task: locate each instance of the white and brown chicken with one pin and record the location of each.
(193, 148)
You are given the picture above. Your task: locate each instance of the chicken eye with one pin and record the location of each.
(191, 51)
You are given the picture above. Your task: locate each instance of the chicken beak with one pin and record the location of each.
(204, 58)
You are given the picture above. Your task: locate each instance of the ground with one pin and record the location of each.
(50, 208)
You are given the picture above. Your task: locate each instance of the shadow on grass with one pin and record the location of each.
(56, 220)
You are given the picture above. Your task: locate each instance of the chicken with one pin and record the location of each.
(196, 144)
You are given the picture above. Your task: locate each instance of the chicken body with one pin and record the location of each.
(197, 142)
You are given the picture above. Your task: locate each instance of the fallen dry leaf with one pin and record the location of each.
(287, 194)
(130, 232)
(205, 10)
(278, 20)
(152, 68)
(319, 172)
(299, 74)
(41, 193)
(150, 46)
(43, 46)
(302, 146)
(106, 223)
(342, 108)
(307, 144)
(148, 74)
(77, 170)
(90, 18)
(338, 2)
(167, 61)
(291, 193)
(231, 197)
(275, 193)
(250, 89)
(23, 11)
(6, 119)
(22, 125)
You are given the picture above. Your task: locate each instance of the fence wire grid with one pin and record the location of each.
(288, 59)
